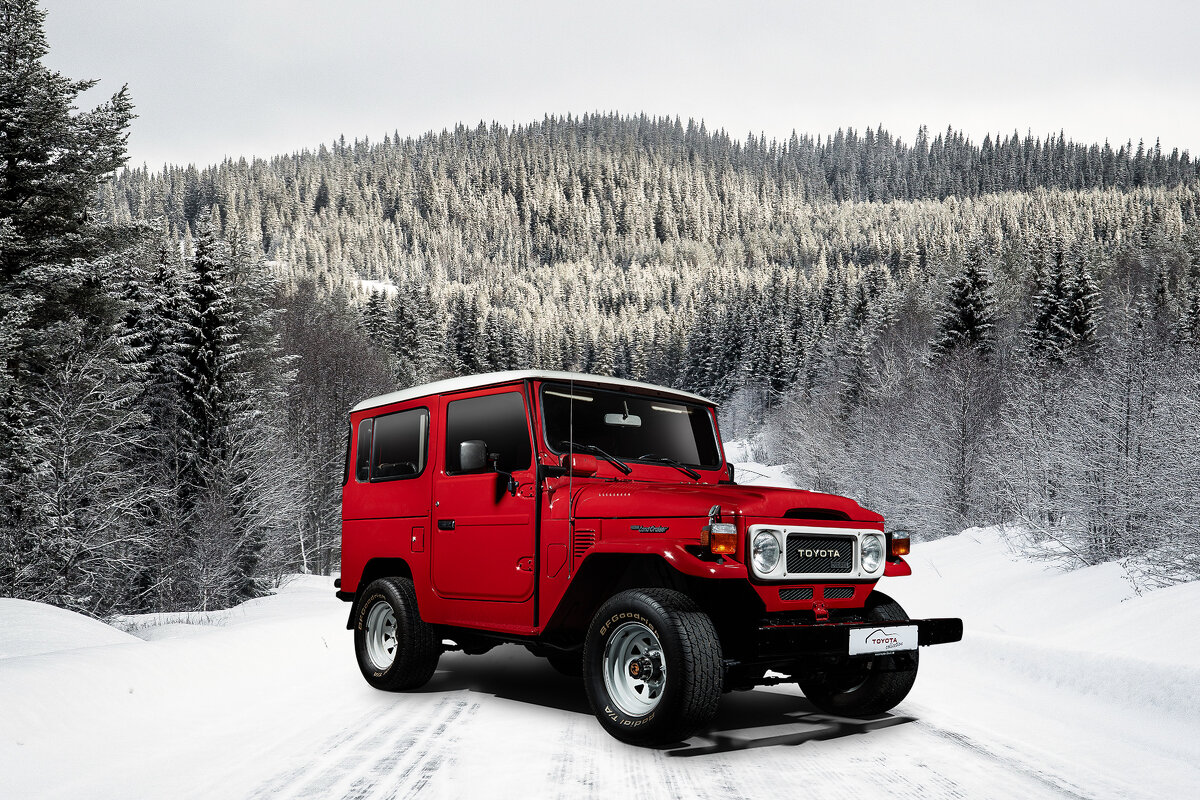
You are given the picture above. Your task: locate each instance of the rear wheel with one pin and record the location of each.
(863, 687)
(396, 650)
(652, 666)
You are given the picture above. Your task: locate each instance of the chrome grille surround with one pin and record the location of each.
(808, 553)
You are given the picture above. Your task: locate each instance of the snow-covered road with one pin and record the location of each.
(1060, 689)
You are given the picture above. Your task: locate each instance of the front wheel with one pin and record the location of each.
(396, 650)
(863, 687)
(652, 666)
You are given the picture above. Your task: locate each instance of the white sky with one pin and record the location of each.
(212, 78)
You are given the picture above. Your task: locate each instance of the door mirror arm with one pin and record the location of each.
(494, 460)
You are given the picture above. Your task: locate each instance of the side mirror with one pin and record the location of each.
(579, 464)
(472, 456)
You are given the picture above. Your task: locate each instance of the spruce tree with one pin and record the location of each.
(968, 317)
(52, 158)
(1063, 321)
(206, 342)
(55, 282)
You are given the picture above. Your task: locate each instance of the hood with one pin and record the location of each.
(620, 499)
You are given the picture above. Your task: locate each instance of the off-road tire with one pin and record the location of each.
(690, 655)
(569, 663)
(415, 653)
(866, 687)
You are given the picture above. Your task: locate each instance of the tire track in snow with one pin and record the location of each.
(1015, 763)
(378, 760)
(588, 763)
(425, 756)
(350, 739)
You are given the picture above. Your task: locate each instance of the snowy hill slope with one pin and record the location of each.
(1066, 685)
(27, 629)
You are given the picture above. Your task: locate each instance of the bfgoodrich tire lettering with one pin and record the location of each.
(865, 687)
(678, 656)
(396, 650)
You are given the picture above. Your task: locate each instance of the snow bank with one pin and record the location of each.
(168, 717)
(751, 473)
(1067, 684)
(28, 629)
(1085, 630)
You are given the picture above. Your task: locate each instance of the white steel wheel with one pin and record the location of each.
(652, 666)
(393, 646)
(381, 638)
(635, 671)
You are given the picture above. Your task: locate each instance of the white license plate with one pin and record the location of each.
(872, 641)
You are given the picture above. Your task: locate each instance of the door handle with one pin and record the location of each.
(445, 524)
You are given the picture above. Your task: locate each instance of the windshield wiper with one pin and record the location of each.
(591, 448)
(670, 462)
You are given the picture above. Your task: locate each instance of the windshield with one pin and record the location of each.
(629, 426)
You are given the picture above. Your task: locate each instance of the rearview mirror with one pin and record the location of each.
(624, 420)
(472, 456)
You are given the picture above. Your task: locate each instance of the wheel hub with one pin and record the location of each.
(643, 668)
(381, 635)
(635, 674)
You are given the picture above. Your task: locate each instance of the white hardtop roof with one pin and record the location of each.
(495, 378)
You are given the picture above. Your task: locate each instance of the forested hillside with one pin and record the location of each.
(954, 333)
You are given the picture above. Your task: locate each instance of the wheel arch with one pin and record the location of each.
(373, 569)
(603, 575)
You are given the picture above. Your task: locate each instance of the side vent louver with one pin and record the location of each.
(583, 542)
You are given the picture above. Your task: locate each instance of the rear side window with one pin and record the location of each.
(362, 460)
(399, 445)
(499, 420)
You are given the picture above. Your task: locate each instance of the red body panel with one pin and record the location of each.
(672, 498)
(508, 560)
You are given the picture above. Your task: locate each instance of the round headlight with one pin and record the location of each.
(764, 551)
(872, 553)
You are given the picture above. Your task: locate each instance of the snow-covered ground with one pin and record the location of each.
(1067, 684)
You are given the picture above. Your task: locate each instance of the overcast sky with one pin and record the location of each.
(216, 78)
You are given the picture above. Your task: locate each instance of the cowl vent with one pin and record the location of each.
(817, 513)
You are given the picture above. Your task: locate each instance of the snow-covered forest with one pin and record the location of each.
(954, 333)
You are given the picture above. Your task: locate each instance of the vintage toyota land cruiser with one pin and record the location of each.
(596, 522)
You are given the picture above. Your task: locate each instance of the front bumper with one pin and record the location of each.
(775, 641)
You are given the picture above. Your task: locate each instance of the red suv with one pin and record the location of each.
(596, 522)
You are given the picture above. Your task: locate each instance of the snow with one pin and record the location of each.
(372, 287)
(1067, 684)
(33, 628)
(762, 475)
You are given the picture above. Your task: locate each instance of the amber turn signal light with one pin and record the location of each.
(900, 546)
(721, 538)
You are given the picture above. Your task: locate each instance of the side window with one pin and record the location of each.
(499, 420)
(362, 459)
(399, 445)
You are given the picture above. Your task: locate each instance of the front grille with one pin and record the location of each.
(803, 593)
(839, 592)
(819, 554)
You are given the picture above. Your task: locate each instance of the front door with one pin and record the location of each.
(484, 538)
